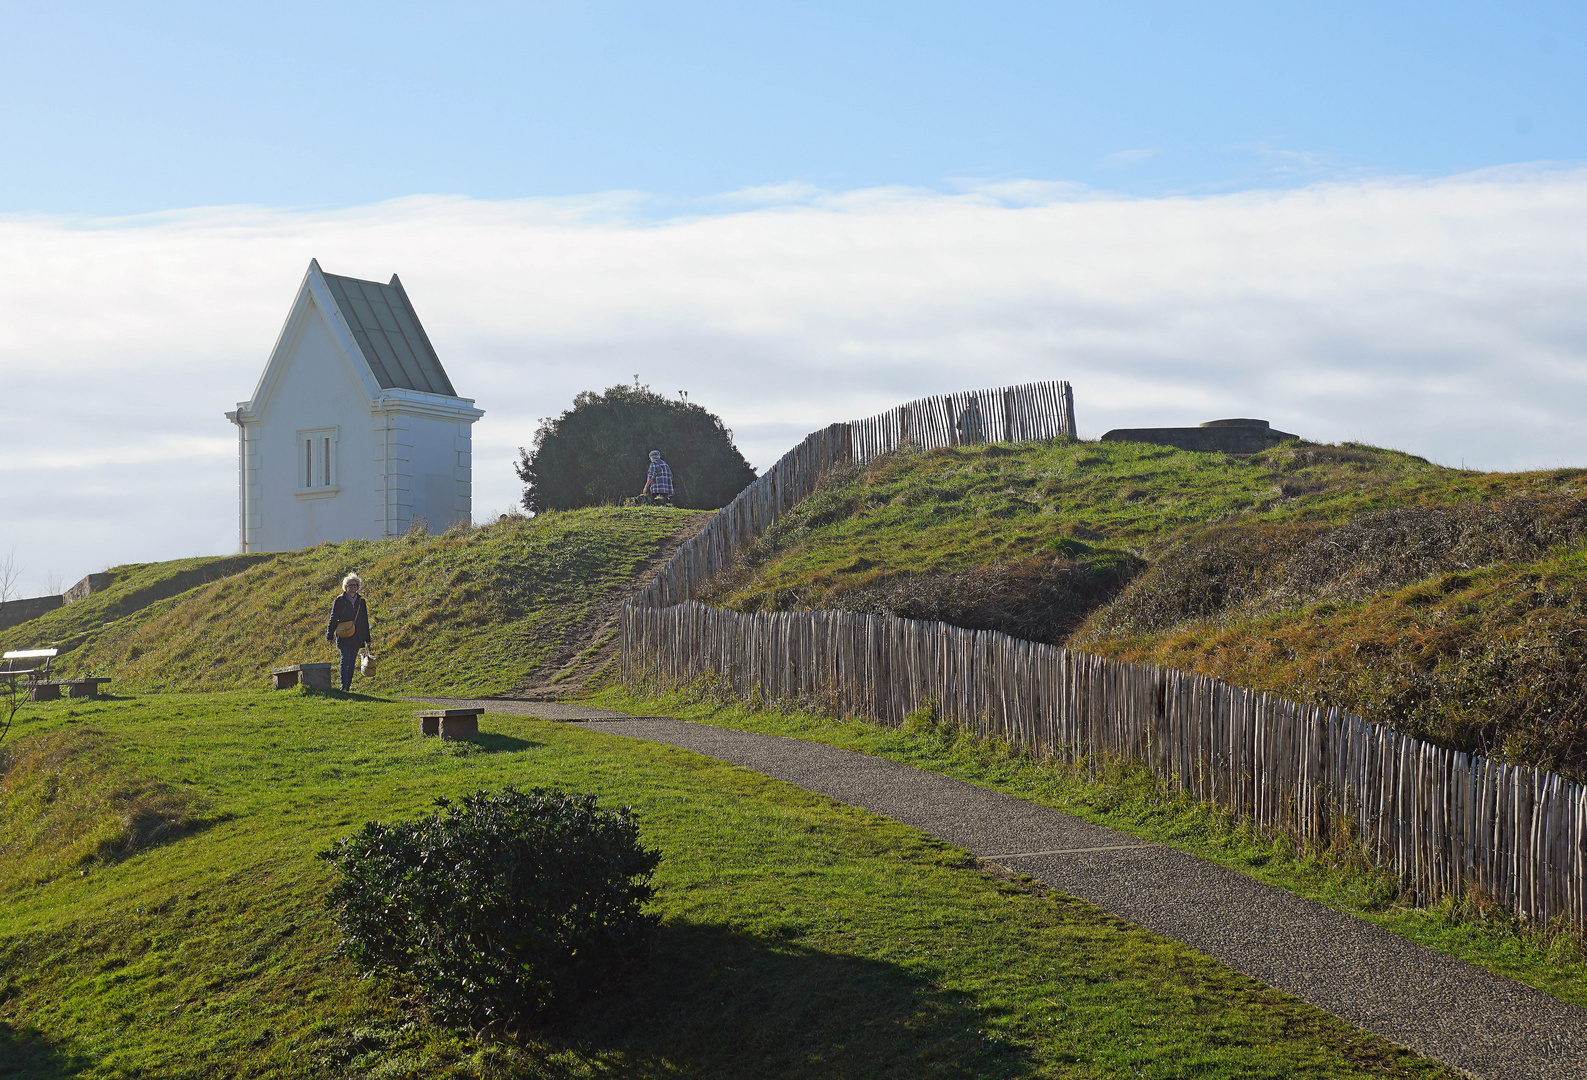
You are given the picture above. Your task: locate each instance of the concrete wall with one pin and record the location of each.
(86, 587)
(20, 611)
(1226, 436)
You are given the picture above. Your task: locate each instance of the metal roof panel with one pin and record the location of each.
(389, 334)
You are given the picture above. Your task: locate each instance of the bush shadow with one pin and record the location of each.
(712, 1001)
(28, 1054)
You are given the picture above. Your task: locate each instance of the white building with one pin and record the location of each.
(354, 430)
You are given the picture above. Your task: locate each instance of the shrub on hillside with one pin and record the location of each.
(1263, 568)
(595, 453)
(1043, 598)
(499, 906)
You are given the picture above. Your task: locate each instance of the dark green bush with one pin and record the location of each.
(500, 906)
(597, 452)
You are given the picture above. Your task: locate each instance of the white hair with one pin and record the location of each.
(352, 579)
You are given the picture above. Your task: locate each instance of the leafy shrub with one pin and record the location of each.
(500, 906)
(596, 452)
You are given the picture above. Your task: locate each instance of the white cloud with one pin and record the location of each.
(1444, 317)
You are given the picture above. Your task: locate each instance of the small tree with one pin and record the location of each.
(595, 452)
(500, 906)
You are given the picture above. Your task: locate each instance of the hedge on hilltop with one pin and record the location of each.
(596, 452)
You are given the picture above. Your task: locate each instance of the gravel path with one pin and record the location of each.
(1489, 1026)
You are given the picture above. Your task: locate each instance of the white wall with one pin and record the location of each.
(316, 388)
(439, 460)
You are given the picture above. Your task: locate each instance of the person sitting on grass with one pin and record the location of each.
(658, 481)
(349, 626)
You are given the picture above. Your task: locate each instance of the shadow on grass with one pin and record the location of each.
(715, 1002)
(26, 1054)
(492, 743)
(346, 695)
(486, 742)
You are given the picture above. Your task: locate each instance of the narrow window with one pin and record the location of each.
(318, 470)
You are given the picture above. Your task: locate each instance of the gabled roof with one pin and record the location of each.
(389, 334)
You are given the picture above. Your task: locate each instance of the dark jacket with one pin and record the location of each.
(345, 609)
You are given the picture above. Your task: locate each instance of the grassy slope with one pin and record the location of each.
(1475, 650)
(131, 588)
(468, 612)
(954, 509)
(800, 937)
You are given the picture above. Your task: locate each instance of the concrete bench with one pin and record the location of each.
(89, 687)
(311, 676)
(449, 723)
(36, 689)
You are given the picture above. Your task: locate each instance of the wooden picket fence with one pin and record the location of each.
(1007, 414)
(1443, 821)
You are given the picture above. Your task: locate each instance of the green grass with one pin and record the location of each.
(954, 509)
(468, 612)
(800, 937)
(131, 588)
(1130, 799)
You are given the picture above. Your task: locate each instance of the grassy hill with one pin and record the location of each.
(1445, 601)
(131, 588)
(472, 611)
(161, 915)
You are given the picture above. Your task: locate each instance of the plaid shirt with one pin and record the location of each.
(659, 479)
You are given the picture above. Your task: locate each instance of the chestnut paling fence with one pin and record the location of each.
(1444, 821)
(1007, 414)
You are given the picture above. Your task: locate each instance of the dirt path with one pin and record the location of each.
(593, 643)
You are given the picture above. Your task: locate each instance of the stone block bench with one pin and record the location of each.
(43, 691)
(449, 723)
(310, 676)
(50, 690)
(89, 687)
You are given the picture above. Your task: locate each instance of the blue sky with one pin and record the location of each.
(1357, 220)
(127, 108)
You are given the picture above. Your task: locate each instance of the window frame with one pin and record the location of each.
(315, 462)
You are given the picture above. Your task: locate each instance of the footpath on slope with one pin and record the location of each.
(1481, 1023)
(593, 643)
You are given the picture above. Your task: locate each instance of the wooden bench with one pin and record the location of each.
(311, 676)
(37, 671)
(36, 676)
(450, 723)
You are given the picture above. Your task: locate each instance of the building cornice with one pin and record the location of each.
(420, 403)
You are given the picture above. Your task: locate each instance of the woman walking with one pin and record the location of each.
(349, 626)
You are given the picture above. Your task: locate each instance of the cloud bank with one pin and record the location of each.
(1445, 317)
